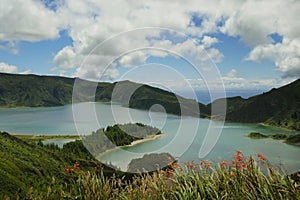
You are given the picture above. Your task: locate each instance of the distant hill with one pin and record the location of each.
(33, 91)
(278, 107)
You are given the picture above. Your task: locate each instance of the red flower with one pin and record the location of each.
(224, 163)
(176, 165)
(239, 158)
(203, 162)
(67, 170)
(243, 165)
(76, 165)
(238, 152)
(231, 174)
(261, 156)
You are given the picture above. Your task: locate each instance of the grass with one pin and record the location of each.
(241, 178)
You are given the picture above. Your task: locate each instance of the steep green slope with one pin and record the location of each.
(33, 90)
(279, 107)
(26, 164)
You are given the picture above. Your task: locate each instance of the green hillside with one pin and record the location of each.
(278, 107)
(33, 90)
(29, 164)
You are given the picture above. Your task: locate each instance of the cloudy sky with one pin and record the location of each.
(252, 44)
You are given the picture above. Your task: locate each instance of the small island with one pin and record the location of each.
(289, 139)
(119, 135)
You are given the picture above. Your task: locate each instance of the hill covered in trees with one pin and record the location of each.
(278, 107)
(33, 91)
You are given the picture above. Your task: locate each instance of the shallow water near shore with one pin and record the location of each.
(176, 140)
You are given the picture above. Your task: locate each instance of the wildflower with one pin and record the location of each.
(203, 162)
(231, 174)
(176, 165)
(224, 163)
(243, 165)
(207, 166)
(261, 156)
(76, 165)
(238, 152)
(239, 158)
(67, 170)
(298, 175)
(186, 164)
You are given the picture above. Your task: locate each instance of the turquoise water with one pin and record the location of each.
(178, 138)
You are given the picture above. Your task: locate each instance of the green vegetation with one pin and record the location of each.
(242, 178)
(289, 139)
(31, 170)
(117, 135)
(37, 138)
(293, 139)
(33, 91)
(31, 164)
(257, 135)
(278, 107)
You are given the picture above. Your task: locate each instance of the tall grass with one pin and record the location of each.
(241, 178)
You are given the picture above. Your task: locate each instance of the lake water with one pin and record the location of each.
(178, 138)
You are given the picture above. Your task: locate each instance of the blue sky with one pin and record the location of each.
(252, 50)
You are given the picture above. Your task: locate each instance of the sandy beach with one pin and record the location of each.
(149, 138)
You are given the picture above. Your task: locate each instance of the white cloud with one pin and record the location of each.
(90, 22)
(10, 46)
(131, 59)
(6, 68)
(209, 41)
(28, 71)
(232, 73)
(286, 55)
(28, 20)
(64, 58)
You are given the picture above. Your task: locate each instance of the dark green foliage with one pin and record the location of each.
(117, 135)
(279, 136)
(24, 165)
(278, 107)
(32, 91)
(257, 135)
(293, 139)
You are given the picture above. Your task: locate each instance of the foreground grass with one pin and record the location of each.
(242, 178)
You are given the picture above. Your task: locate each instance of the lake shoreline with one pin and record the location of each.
(147, 139)
(33, 137)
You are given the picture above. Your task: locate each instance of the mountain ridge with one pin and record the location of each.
(277, 107)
